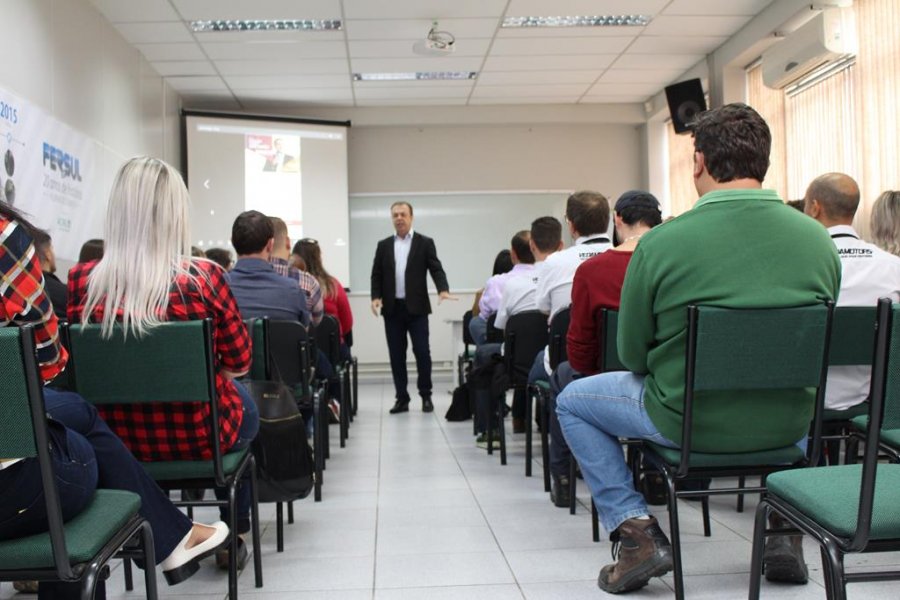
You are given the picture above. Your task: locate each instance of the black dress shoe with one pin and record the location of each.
(559, 492)
(400, 406)
(427, 406)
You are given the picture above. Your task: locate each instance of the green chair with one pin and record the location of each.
(327, 337)
(75, 551)
(172, 363)
(846, 508)
(744, 350)
(466, 358)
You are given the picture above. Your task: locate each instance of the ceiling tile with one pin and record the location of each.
(412, 91)
(415, 29)
(197, 100)
(545, 46)
(406, 65)
(323, 66)
(697, 25)
(568, 32)
(184, 67)
(132, 11)
(627, 99)
(715, 7)
(298, 95)
(537, 77)
(154, 33)
(588, 62)
(663, 76)
(404, 48)
(542, 8)
(291, 105)
(240, 83)
(422, 9)
(269, 36)
(258, 9)
(185, 51)
(197, 84)
(625, 89)
(493, 91)
(657, 61)
(411, 102)
(525, 100)
(275, 50)
(675, 45)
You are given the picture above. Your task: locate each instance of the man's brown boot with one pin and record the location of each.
(642, 551)
(783, 557)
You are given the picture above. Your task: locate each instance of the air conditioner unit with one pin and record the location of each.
(827, 38)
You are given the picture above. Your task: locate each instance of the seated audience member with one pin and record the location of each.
(197, 252)
(518, 296)
(85, 453)
(502, 264)
(146, 277)
(597, 285)
(587, 215)
(797, 204)
(522, 261)
(220, 256)
(53, 287)
(867, 274)
(692, 260)
(281, 252)
(91, 250)
(885, 222)
(334, 297)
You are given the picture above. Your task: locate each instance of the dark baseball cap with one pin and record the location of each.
(636, 199)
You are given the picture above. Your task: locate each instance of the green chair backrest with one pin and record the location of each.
(891, 419)
(759, 349)
(172, 363)
(609, 351)
(852, 336)
(16, 431)
(258, 368)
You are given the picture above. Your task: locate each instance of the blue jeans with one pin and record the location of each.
(478, 330)
(538, 372)
(594, 413)
(246, 434)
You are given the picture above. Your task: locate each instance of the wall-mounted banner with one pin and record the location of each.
(48, 171)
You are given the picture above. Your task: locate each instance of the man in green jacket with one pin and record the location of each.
(739, 247)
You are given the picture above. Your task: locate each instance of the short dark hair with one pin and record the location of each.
(502, 263)
(797, 204)
(42, 240)
(637, 206)
(546, 233)
(520, 246)
(250, 233)
(402, 203)
(735, 142)
(220, 256)
(588, 212)
(91, 250)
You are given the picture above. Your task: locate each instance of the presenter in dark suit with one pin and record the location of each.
(400, 294)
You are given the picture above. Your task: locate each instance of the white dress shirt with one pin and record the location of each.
(554, 290)
(401, 255)
(518, 294)
(867, 274)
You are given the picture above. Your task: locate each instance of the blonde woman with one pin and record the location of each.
(147, 276)
(885, 222)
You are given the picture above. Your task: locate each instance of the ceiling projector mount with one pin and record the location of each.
(436, 43)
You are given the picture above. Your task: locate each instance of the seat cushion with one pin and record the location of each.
(700, 460)
(891, 437)
(193, 469)
(830, 497)
(845, 415)
(86, 533)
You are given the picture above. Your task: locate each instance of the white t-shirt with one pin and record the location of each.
(554, 290)
(518, 294)
(867, 274)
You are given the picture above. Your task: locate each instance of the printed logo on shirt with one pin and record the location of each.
(855, 253)
(585, 254)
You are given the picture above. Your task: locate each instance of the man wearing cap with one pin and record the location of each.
(597, 285)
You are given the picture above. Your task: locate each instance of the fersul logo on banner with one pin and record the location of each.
(67, 165)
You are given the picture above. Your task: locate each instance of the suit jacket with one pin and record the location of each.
(422, 258)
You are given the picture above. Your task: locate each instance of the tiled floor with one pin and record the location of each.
(412, 509)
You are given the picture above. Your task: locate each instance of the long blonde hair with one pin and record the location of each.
(885, 222)
(147, 245)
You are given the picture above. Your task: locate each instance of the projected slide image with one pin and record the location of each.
(280, 154)
(272, 178)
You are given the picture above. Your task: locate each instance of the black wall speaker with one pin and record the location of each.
(686, 101)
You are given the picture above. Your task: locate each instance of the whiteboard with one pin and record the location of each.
(468, 228)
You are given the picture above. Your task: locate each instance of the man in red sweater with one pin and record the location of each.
(597, 285)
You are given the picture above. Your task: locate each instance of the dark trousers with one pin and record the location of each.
(559, 449)
(397, 326)
(246, 434)
(482, 393)
(86, 455)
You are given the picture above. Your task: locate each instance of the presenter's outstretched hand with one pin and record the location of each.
(446, 296)
(376, 306)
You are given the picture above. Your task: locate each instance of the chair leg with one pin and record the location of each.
(89, 580)
(326, 430)
(833, 561)
(759, 543)
(595, 522)
(342, 421)
(254, 525)
(704, 504)
(675, 537)
(149, 559)
(572, 485)
(355, 377)
(740, 498)
(501, 433)
(129, 575)
(545, 441)
(233, 542)
(279, 527)
(528, 429)
(290, 512)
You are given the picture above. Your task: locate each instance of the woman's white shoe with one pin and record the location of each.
(184, 562)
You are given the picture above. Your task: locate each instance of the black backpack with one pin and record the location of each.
(284, 459)
(461, 406)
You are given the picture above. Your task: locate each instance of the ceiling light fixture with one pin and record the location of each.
(578, 21)
(419, 76)
(260, 25)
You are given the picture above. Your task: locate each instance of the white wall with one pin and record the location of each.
(65, 57)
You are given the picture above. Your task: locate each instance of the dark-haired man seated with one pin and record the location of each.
(718, 253)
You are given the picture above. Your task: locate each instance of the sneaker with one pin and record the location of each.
(559, 492)
(335, 409)
(223, 556)
(642, 551)
(481, 441)
(26, 587)
(783, 557)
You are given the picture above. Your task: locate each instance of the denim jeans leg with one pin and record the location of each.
(246, 434)
(478, 330)
(594, 413)
(538, 372)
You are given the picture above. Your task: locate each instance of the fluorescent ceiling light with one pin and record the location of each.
(279, 25)
(578, 21)
(420, 76)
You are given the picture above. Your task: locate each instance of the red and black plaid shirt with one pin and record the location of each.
(178, 431)
(22, 296)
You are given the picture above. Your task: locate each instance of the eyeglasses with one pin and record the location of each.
(309, 241)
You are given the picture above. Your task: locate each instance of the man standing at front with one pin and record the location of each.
(399, 291)
(740, 246)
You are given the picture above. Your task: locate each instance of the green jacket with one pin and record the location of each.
(734, 249)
